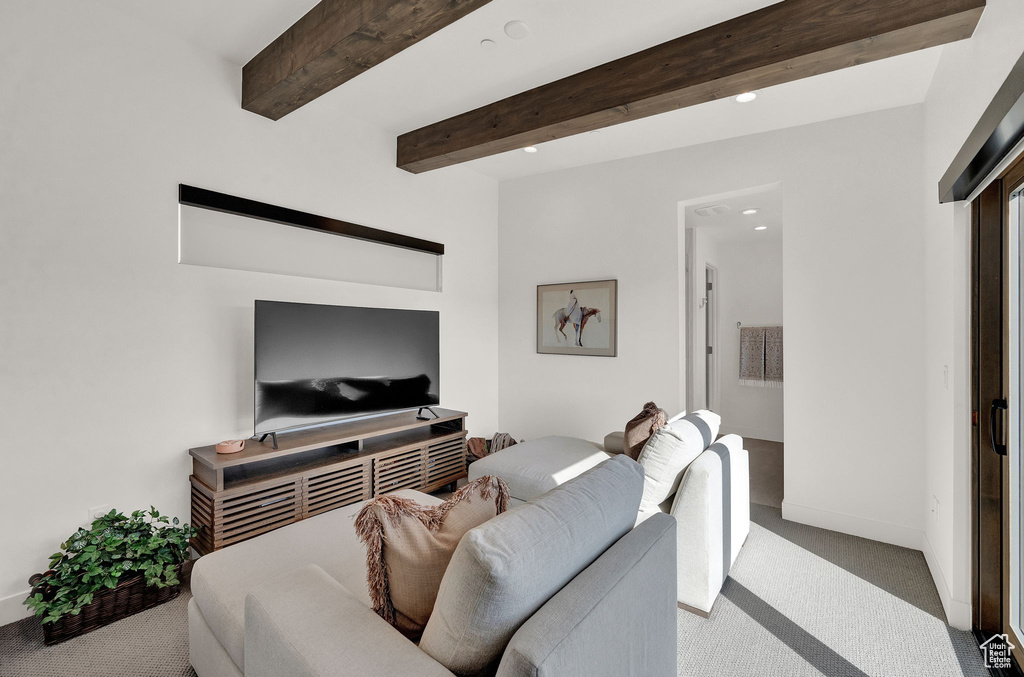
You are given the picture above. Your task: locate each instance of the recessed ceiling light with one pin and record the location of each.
(517, 30)
(487, 43)
(746, 97)
(530, 149)
(760, 227)
(749, 212)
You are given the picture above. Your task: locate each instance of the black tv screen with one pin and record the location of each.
(316, 364)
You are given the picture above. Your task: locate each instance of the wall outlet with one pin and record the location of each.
(95, 513)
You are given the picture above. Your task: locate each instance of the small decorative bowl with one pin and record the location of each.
(230, 446)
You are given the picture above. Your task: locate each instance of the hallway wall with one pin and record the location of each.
(750, 291)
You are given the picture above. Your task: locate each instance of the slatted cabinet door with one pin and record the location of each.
(398, 470)
(241, 513)
(337, 487)
(245, 514)
(446, 461)
(202, 516)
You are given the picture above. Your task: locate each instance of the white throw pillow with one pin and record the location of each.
(708, 422)
(671, 449)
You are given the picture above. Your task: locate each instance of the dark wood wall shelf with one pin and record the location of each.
(239, 206)
(238, 496)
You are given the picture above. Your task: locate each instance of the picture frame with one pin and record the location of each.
(578, 318)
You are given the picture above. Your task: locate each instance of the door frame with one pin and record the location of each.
(1013, 183)
(991, 253)
(712, 362)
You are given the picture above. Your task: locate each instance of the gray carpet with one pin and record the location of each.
(806, 601)
(153, 643)
(799, 601)
(766, 471)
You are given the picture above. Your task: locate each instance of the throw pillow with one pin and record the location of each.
(640, 428)
(664, 458)
(408, 547)
(707, 422)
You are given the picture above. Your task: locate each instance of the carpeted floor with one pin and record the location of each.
(799, 601)
(153, 643)
(766, 466)
(806, 601)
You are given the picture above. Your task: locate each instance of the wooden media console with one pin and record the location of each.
(238, 496)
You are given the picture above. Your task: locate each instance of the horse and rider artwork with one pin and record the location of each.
(577, 318)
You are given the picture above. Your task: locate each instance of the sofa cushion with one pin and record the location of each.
(222, 579)
(408, 547)
(536, 467)
(664, 458)
(506, 569)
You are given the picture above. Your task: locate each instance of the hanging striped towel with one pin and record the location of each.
(751, 356)
(773, 357)
(761, 357)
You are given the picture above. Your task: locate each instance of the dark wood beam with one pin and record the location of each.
(336, 41)
(780, 43)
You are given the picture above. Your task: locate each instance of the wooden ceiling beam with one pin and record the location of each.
(336, 41)
(787, 41)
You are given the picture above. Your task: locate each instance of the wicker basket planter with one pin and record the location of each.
(131, 596)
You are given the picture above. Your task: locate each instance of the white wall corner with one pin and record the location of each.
(12, 609)
(893, 534)
(958, 612)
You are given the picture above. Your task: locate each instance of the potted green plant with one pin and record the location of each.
(118, 567)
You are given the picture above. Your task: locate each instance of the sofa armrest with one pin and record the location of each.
(306, 624)
(614, 442)
(616, 617)
(712, 511)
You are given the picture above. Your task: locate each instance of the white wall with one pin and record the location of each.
(749, 291)
(968, 76)
(115, 360)
(853, 294)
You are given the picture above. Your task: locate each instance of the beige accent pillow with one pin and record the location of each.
(408, 547)
(640, 428)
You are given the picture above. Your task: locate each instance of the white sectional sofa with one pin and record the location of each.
(576, 589)
(711, 505)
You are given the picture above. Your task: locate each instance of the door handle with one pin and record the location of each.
(997, 405)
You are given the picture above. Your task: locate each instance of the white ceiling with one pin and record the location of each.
(733, 226)
(450, 73)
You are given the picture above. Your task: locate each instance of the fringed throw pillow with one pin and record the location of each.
(640, 428)
(408, 547)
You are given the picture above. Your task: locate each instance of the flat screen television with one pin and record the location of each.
(316, 364)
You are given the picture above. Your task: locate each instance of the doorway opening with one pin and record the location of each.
(733, 310)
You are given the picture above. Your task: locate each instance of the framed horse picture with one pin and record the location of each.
(579, 318)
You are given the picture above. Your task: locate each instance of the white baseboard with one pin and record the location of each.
(958, 613)
(855, 526)
(12, 609)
